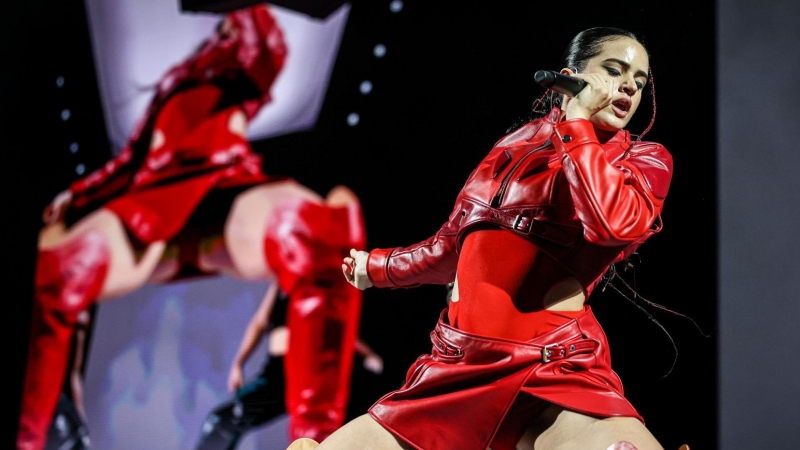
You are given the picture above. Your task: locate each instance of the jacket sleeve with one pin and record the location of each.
(432, 261)
(616, 203)
(105, 182)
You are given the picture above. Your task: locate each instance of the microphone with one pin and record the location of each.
(558, 82)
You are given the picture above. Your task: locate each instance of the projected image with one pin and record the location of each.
(137, 41)
(193, 240)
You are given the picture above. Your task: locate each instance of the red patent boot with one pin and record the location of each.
(305, 246)
(68, 279)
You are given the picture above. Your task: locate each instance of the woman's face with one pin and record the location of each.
(625, 62)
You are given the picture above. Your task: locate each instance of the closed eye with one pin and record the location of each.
(615, 73)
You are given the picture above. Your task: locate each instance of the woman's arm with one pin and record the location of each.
(617, 203)
(372, 361)
(253, 334)
(432, 261)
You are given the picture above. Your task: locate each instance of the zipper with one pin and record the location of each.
(498, 197)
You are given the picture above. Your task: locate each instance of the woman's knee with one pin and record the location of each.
(340, 196)
(363, 433)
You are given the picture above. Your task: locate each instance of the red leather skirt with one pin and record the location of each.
(474, 392)
(159, 212)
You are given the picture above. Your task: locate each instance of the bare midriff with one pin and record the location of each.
(508, 288)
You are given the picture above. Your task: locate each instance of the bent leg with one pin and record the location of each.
(73, 270)
(562, 429)
(305, 244)
(245, 226)
(363, 433)
(284, 231)
(303, 444)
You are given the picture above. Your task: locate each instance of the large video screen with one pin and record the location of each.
(159, 357)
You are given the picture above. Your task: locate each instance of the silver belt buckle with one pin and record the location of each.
(546, 352)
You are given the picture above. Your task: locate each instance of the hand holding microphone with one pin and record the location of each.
(558, 82)
(591, 101)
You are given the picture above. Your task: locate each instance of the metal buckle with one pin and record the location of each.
(519, 219)
(546, 352)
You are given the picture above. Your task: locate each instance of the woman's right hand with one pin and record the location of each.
(355, 269)
(235, 378)
(598, 93)
(57, 208)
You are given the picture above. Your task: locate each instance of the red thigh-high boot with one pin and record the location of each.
(68, 279)
(305, 245)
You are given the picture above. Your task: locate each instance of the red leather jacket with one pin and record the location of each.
(584, 203)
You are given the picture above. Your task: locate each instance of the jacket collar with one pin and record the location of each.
(622, 138)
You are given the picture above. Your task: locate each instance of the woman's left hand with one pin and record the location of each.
(355, 269)
(373, 363)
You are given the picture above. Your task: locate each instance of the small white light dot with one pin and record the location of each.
(396, 6)
(73, 148)
(379, 50)
(65, 114)
(352, 119)
(60, 81)
(365, 87)
(80, 169)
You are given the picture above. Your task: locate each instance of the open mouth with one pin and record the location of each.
(621, 107)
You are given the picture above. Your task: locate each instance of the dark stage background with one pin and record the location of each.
(453, 77)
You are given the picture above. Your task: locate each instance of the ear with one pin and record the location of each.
(567, 71)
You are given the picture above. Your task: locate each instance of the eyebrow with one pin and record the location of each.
(627, 66)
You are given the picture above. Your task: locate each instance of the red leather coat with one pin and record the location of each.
(584, 203)
(154, 190)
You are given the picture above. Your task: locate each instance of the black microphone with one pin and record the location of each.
(558, 82)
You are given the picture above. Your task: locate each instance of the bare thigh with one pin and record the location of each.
(246, 225)
(560, 429)
(240, 253)
(127, 270)
(363, 433)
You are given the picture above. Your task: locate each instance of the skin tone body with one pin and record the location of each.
(615, 79)
(230, 254)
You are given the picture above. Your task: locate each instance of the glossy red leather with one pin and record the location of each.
(68, 279)
(191, 108)
(305, 244)
(460, 394)
(585, 203)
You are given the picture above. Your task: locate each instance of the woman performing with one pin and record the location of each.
(186, 197)
(518, 358)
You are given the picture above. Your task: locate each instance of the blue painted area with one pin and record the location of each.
(159, 360)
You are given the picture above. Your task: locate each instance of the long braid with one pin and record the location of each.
(610, 278)
(653, 99)
(654, 320)
(662, 307)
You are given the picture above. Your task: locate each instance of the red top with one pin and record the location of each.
(498, 296)
(585, 203)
